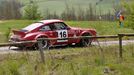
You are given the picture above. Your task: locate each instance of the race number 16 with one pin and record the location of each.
(62, 34)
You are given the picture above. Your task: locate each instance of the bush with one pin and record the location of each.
(7, 34)
(31, 11)
(130, 13)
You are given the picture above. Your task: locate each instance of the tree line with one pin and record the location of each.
(12, 9)
(79, 14)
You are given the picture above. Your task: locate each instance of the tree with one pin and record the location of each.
(68, 13)
(31, 11)
(80, 14)
(130, 14)
(10, 9)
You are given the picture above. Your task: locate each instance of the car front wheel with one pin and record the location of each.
(86, 41)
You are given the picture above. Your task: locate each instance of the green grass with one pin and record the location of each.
(70, 61)
(13, 24)
(102, 27)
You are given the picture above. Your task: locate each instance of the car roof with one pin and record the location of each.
(50, 21)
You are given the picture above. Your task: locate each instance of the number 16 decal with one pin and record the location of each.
(62, 34)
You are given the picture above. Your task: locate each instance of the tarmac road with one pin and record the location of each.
(6, 50)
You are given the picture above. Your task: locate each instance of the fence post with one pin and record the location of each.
(41, 50)
(120, 45)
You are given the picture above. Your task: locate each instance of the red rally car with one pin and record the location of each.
(52, 28)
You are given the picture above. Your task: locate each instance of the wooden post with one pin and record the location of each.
(41, 50)
(120, 46)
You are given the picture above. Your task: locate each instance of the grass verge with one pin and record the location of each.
(70, 61)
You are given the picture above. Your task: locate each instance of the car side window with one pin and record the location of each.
(45, 28)
(60, 26)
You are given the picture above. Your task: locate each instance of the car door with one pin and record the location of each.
(63, 31)
(48, 31)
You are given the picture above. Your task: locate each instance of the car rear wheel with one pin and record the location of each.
(44, 43)
(85, 42)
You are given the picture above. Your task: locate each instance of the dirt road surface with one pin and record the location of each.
(6, 50)
(0, 21)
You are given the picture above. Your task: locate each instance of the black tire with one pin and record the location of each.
(86, 42)
(21, 47)
(45, 43)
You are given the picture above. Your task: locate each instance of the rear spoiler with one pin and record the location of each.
(18, 32)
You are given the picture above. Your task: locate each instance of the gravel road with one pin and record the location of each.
(6, 50)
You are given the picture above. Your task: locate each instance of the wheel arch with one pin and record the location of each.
(84, 33)
(41, 35)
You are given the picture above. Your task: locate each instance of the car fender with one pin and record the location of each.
(86, 32)
(82, 34)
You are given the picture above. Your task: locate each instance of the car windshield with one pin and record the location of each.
(32, 27)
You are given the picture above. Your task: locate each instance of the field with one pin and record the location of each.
(70, 61)
(93, 60)
(59, 5)
(102, 27)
